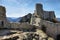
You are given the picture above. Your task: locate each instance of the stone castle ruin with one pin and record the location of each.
(3, 20)
(46, 20)
(41, 19)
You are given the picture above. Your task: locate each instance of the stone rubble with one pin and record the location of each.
(19, 35)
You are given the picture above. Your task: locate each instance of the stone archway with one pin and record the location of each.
(58, 37)
(43, 28)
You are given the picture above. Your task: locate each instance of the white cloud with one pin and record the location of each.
(18, 11)
(17, 8)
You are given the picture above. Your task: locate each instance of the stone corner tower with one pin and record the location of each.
(39, 10)
(2, 13)
(2, 16)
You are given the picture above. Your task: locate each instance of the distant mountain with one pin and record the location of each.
(58, 19)
(13, 19)
(21, 19)
(25, 18)
(18, 19)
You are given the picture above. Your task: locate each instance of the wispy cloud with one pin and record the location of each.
(16, 8)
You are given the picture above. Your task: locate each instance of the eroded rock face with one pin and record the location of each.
(13, 38)
(26, 18)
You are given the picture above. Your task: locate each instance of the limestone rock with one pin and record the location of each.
(19, 35)
(26, 18)
(49, 38)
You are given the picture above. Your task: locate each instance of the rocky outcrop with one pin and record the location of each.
(19, 35)
(26, 18)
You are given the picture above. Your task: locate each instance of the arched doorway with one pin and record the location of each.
(58, 37)
(43, 28)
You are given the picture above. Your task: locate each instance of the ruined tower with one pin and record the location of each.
(2, 16)
(38, 15)
(52, 15)
(39, 10)
(2, 13)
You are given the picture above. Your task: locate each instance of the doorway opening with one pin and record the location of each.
(58, 37)
(2, 23)
(43, 28)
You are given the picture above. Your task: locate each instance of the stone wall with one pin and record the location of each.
(20, 26)
(52, 29)
(49, 15)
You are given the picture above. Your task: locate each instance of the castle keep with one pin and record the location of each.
(46, 20)
(41, 19)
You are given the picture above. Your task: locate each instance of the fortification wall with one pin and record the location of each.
(52, 29)
(20, 26)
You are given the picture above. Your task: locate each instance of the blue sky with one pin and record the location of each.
(19, 8)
